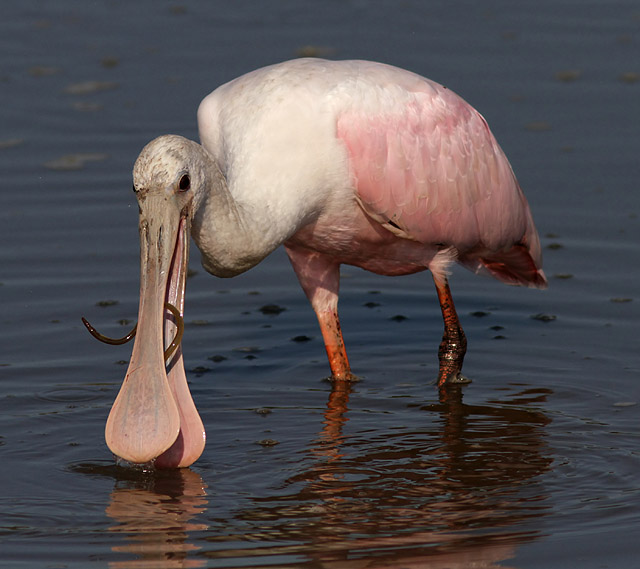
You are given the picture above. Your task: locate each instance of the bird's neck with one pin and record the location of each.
(232, 235)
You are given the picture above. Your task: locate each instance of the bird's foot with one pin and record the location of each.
(451, 355)
(450, 372)
(457, 379)
(346, 377)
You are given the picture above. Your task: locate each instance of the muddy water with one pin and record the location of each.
(535, 464)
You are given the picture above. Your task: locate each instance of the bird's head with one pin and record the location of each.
(172, 169)
(154, 418)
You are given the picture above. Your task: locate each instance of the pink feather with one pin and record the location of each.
(432, 170)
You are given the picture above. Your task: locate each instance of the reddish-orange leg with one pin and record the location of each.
(454, 343)
(319, 276)
(334, 344)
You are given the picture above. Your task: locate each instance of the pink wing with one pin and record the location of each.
(429, 169)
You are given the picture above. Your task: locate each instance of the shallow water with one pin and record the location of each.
(535, 464)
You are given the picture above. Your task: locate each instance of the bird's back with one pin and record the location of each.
(421, 161)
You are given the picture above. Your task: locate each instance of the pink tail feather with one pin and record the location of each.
(515, 266)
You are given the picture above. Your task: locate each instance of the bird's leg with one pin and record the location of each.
(319, 277)
(334, 344)
(454, 343)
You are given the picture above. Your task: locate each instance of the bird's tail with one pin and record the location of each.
(521, 264)
(515, 267)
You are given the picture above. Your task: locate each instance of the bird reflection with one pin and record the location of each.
(455, 489)
(154, 511)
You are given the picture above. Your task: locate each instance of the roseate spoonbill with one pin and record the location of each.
(342, 162)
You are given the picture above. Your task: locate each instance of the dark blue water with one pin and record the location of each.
(534, 465)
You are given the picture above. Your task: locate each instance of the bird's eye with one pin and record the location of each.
(185, 183)
(134, 189)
